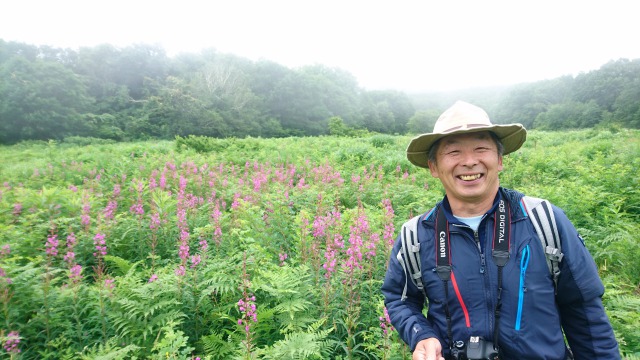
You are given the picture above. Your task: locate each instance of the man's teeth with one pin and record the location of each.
(470, 177)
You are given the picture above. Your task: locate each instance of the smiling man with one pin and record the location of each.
(477, 261)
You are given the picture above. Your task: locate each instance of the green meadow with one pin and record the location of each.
(203, 248)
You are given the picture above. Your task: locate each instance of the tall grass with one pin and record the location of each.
(260, 249)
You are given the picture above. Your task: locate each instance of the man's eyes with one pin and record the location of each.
(478, 149)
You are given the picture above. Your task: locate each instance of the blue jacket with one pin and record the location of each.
(532, 318)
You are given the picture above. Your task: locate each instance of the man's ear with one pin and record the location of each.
(500, 167)
(433, 168)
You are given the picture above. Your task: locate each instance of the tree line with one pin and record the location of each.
(139, 92)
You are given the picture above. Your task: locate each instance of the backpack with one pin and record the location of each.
(540, 213)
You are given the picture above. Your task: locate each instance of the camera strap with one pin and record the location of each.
(500, 254)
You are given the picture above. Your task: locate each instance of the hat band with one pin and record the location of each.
(466, 126)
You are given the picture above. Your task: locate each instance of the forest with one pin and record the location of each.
(140, 93)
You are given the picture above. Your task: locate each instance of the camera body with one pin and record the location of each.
(476, 348)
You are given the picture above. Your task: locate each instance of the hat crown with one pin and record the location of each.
(461, 116)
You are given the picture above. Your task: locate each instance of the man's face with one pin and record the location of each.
(468, 166)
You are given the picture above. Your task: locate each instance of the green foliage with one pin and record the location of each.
(221, 220)
(173, 345)
(381, 141)
(86, 140)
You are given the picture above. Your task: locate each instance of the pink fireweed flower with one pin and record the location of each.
(180, 271)
(5, 250)
(152, 183)
(182, 182)
(235, 203)
(385, 323)
(75, 274)
(109, 285)
(330, 255)
(85, 218)
(71, 240)
(3, 275)
(283, 257)
(163, 181)
(73, 188)
(204, 245)
(69, 257)
(330, 263)
(389, 228)
(11, 342)
(182, 217)
(371, 246)
(52, 245)
(110, 209)
(354, 253)
(183, 251)
(100, 245)
(155, 221)
(137, 209)
(17, 209)
(319, 226)
(116, 190)
(153, 278)
(247, 307)
(195, 260)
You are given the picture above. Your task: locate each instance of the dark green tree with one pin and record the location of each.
(423, 121)
(40, 100)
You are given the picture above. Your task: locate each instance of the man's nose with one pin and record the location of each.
(468, 159)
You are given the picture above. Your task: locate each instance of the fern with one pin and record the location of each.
(309, 344)
(140, 313)
(108, 351)
(219, 345)
(289, 289)
(122, 266)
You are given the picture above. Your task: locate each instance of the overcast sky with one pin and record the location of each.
(404, 45)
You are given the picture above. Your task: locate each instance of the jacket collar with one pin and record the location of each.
(511, 196)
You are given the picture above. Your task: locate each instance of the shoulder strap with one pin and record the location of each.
(544, 221)
(409, 254)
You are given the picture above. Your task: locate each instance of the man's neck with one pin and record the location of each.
(471, 209)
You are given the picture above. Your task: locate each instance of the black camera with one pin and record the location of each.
(476, 348)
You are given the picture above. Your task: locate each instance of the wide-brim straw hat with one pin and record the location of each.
(461, 118)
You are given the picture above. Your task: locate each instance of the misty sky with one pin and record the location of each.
(402, 45)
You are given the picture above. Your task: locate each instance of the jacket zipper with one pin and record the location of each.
(524, 263)
(483, 265)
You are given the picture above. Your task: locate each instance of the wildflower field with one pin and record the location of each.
(204, 248)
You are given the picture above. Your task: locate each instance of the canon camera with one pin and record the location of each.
(476, 348)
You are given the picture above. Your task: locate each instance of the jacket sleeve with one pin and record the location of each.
(405, 315)
(584, 320)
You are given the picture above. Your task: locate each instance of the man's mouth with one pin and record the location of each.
(470, 177)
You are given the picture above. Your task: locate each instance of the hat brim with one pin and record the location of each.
(512, 137)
